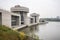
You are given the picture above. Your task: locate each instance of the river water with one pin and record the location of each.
(49, 31)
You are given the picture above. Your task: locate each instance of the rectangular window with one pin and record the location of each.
(31, 20)
(14, 20)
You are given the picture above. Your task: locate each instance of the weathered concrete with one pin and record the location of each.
(6, 17)
(18, 11)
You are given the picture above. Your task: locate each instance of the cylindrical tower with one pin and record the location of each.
(22, 11)
(36, 16)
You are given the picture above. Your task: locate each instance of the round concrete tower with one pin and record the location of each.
(36, 17)
(22, 11)
(18, 8)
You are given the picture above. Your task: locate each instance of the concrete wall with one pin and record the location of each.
(25, 18)
(6, 18)
(28, 20)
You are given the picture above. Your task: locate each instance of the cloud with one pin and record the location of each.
(46, 8)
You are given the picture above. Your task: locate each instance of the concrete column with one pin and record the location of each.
(19, 19)
(37, 19)
(25, 18)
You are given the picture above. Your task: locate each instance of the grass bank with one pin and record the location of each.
(8, 34)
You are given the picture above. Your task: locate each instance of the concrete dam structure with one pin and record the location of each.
(17, 18)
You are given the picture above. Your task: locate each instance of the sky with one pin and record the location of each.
(45, 8)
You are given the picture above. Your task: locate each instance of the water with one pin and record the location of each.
(50, 31)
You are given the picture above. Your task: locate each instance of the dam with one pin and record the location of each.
(17, 18)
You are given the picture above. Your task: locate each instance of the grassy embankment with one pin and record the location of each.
(8, 34)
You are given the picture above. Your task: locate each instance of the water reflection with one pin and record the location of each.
(34, 28)
(50, 31)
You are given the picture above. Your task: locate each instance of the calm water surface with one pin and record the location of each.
(50, 31)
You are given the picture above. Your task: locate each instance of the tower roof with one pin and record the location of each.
(19, 8)
(34, 14)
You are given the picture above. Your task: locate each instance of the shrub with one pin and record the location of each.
(22, 35)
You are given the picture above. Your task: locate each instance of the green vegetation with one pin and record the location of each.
(8, 34)
(22, 35)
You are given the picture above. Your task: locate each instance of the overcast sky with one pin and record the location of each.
(45, 8)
